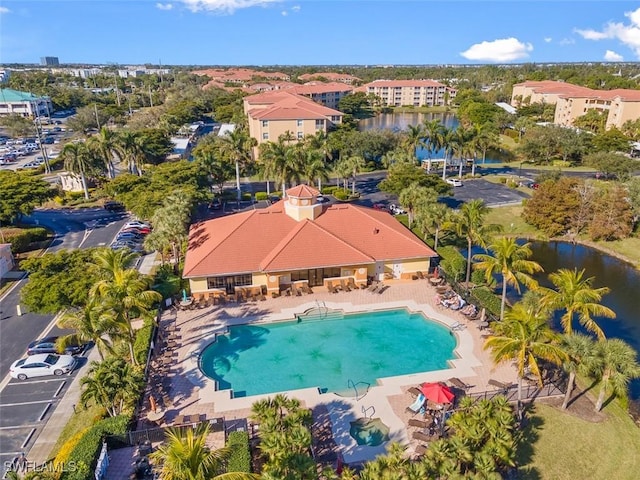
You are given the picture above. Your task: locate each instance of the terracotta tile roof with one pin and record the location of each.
(338, 77)
(568, 90)
(295, 107)
(270, 240)
(302, 191)
(319, 88)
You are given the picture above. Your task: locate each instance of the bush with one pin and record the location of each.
(329, 190)
(240, 459)
(341, 194)
(453, 262)
(485, 297)
(85, 454)
(478, 277)
(143, 342)
(21, 240)
(261, 196)
(246, 196)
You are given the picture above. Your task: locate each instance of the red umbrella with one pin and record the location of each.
(437, 392)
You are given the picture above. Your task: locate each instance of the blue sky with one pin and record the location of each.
(307, 32)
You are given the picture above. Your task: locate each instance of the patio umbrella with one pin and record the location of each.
(437, 392)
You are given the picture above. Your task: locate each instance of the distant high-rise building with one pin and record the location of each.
(49, 61)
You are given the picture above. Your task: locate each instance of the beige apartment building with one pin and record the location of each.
(271, 114)
(327, 94)
(417, 93)
(331, 76)
(573, 101)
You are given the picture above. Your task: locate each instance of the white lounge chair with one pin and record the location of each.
(458, 326)
(417, 404)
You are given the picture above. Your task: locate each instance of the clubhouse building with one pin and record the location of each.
(301, 242)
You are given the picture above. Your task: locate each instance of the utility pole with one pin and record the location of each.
(95, 109)
(117, 93)
(150, 97)
(45, 157)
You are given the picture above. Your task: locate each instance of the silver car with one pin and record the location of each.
(41, 365)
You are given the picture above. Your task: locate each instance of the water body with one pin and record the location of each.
(398, 122)
(622, 278)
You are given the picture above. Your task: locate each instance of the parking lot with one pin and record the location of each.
(25, 408)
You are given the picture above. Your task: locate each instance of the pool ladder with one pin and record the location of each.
(367, 409)
(352, 384)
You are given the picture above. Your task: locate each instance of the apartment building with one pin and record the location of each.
(14, 102)
(330, 76)
(416, 93)
(573, 101)
(271, 114)
(240, 76)
(327, 94)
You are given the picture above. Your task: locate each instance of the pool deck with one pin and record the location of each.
(192, 392)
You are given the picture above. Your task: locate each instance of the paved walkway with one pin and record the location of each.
(193, 393)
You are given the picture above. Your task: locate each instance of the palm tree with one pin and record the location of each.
(107, 144)
(356, 164)
(524, 337)
(113, 384)
(273, 156)
(77, 159)
(431, 218)
(486, 139)
(580, 349)
(615, 364)
(89, 326)
(236, 146)
(123, 293)
(171, 223)
(315, 168)
(133, 151)
(184, 455)
(577, 297)
(414, 137)
(415, 197)
(469, 224)
(434, 132)
(509, 259)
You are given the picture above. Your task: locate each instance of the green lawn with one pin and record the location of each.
(562, 446)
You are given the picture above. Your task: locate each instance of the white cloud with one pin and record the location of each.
(611, 56)
(4, 10)
(502, 50)
(548, 39)
(284, 13)
(567, 41)
(627, 34)
(224, 6)
(164, 6)
(296, 8)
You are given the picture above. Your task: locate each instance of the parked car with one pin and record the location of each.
(42, 365)
(136, 223)
(456, 182)
(113, 206)
(215, 204)
(141, 230)
(136, 237)
(31, 165)
(48, 345)
(396, 209)
(134, 247)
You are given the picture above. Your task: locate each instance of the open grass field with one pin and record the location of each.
(562, 446)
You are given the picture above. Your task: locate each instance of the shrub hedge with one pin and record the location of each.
(143, 341)
(261, 196)
(329, 190)
(20, 241)
(485, 297)
(85, 454)
(453, 262)
(240, 459)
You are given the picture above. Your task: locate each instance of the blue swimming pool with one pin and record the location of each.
(326, 352)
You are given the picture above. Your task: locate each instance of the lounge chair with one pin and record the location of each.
(420, 275)
(415, 422)
(500, 385)
(373, 286)
(420, 449)
(423, 437)
(456, 382)
(456, 327)
(415, 391)
(417, 404)
(382, 288)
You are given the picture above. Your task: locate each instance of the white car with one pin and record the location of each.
(41, 365)
(456, 182)
(137, 224)
(396, 209)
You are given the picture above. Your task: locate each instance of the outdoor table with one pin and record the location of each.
(483, 325)
(155, 417)
(186, 303)
(435, 281)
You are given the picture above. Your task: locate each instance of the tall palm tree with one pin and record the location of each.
(431, 218)
(461, 144)
(415, 197)
(413, 138)
(123, 293)
(89, 326)
(77, 159)
(185, 455)
(171, 223)
(434, 133)
(314, 168)
(356, 164)
(580, 350)
(486, 139)
(133, 151)
(272, 157)
(236, 146)
(469, 224)
(576, 295)
(615, 364)
(113, 384)
(524, 337)
(511, 261)
(107, 144)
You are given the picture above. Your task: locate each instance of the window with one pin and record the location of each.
(300, 135)
(300, 123)
(228, 283)
(335, 118)
(265, 123)
(320, 123)
(265, 136)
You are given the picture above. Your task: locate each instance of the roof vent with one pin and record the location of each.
(376, 231)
